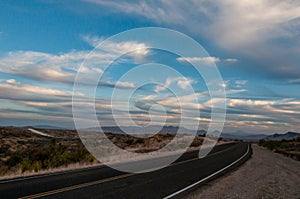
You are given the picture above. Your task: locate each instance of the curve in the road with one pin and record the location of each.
(186, 173)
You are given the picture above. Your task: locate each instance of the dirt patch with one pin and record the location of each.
(265, 175)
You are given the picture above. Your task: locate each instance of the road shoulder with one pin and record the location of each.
(265, 175)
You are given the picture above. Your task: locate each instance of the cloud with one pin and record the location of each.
(225, 84)
(241, 82)
(137, 50)
(182, 82)
(39, 103)
(294, 81)
(251, 115)
(269, 115)
(185, 83)
(282, 112)
(43, 103)
(204, 60)
(231, 60)
(11, 81)
(14, 90)
(264, 31)
(242, 102)
(62, 68)
(41, 66)
(230, 22)
(125, 84)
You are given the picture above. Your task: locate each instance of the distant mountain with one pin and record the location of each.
(146, 130)
(286, 136)
(48, 127)
(240, 135)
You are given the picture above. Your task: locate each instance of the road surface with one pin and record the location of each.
(103, 182)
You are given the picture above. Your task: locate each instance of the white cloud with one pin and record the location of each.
(271, 115)
(176, 106)
(241, 82)
(182, 82)
(283, 109)
(36, 104)
(37, 65)
(256, 29)
(294, 81)
(231, 60)
(17, 88)
(204, 60)
(231, 23)
(120, 84)
(93, 40)
(185, 83)
(224, 84)
(63, 67)
(11, 81)
(243, 102)
(137, 50)
(160, 88)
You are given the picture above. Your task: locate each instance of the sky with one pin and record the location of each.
(254, 44)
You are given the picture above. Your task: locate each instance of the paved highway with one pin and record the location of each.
(103, 182)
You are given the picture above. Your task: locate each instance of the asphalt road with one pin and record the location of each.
(104, 182)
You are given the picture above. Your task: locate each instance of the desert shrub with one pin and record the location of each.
(46, 157)
(129, 142)
(14, 159)
(3, 170)
(26, 165)
(288, 148)
(195, 144)
(139, 141)
(270, 144)
(37, 165)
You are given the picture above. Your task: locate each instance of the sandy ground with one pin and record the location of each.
(265, 175)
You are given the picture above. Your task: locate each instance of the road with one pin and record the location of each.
(103, 182)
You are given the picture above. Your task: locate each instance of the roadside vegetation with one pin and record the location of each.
(22, 151)
(290, 148)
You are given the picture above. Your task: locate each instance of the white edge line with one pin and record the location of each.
(211, 175)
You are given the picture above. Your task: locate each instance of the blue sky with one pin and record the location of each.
(255, 45)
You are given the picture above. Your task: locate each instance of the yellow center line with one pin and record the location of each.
(78, 186)
(70, 188)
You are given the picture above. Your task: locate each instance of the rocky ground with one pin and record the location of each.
(265, 175)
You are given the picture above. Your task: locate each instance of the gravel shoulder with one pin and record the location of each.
(265, 175)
